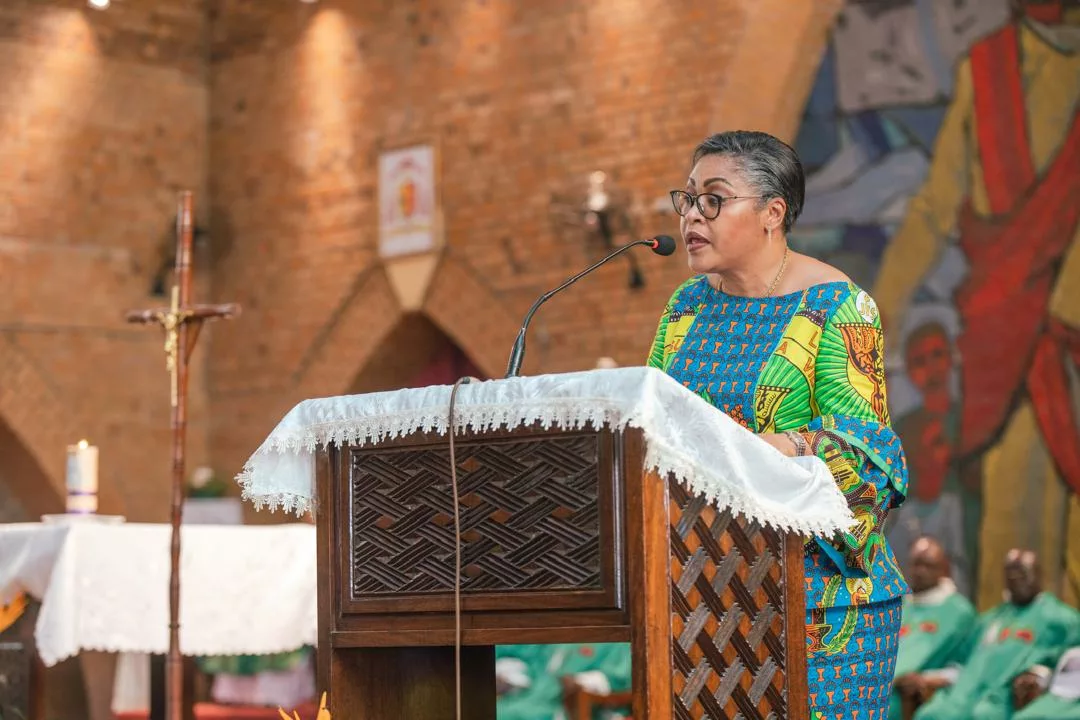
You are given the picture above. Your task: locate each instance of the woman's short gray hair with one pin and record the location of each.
(769, 165)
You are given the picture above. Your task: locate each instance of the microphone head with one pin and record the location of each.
(663, 244)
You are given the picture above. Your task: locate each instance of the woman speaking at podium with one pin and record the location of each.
(791, 349)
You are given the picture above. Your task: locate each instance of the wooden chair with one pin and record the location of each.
(580, 703)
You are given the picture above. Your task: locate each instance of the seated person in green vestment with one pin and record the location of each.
(529, 678)
(1030, 628)
(1044, 695)
(936, 621)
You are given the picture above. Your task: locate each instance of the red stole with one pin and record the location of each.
(1009, 343)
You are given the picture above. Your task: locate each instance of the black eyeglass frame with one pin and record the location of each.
(695, 200)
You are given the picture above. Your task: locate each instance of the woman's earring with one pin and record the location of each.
(769, 230)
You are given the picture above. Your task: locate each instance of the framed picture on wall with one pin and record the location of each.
(408, 201)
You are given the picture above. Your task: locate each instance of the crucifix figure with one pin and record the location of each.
(181, 322)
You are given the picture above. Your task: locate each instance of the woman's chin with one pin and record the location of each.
(700, 264)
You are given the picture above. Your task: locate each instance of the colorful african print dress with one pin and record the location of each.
(813, 362)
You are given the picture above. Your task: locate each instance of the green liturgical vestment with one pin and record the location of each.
(933, 634)
(1050, 707)
(1006, 641)
(543, 666)
(1062, 699)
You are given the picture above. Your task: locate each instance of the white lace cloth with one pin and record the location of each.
(243, 589)
(685, 435)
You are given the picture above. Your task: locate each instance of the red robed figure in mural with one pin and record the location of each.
(1014, 258)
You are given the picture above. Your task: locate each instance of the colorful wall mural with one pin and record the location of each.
(942, 148)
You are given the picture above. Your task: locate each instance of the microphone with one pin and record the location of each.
(661, 245)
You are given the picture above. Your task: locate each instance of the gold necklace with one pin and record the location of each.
(779, 274)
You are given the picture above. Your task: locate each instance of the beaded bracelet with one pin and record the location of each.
(798, 441)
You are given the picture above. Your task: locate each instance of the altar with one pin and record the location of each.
(103, 587)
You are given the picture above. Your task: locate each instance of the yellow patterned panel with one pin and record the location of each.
(676, 333)
(767, 401)
(800, 346)
(866, 364)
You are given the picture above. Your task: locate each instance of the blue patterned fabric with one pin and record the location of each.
(725, 351)
(881, 579)
(853, 683)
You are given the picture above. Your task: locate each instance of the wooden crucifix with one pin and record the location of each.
(181, 322)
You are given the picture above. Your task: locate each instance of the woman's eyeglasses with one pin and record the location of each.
(708, 204)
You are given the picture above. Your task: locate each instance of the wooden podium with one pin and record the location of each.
(564, 539)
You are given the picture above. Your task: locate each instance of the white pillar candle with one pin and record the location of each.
(82, 478)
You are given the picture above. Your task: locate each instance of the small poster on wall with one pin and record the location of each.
(408, 207)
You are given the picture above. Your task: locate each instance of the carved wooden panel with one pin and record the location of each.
(15, 696)
(727, 601)
(536, 517)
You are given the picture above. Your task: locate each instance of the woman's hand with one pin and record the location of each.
(781, 442)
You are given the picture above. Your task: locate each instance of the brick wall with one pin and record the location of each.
(274, 112)
(103, 117)
(522, 99)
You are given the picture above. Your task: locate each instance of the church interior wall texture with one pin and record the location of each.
(275, 112)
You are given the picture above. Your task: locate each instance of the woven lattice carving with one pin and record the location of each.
(529, 517)
(727, 614)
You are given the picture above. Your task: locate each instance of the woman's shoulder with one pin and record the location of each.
(813, 275)
(691, 288)
(687, 296)
(810, 273)
(831, 293)
(841, 301)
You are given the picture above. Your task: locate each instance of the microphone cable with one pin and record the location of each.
(457, 543)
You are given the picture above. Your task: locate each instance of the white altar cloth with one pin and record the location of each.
(243, 589)
(685, 435)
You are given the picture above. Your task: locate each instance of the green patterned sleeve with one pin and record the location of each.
(661, 347)
(656, 354)
(851, 430)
